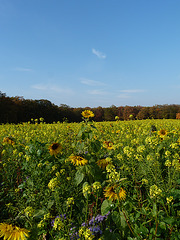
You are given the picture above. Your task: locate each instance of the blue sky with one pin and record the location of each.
(91, 52)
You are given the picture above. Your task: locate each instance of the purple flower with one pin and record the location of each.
(84, 224)
(95, 230)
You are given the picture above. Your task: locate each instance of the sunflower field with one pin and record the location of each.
(91, 180)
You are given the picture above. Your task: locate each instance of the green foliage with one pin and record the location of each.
(111, 180)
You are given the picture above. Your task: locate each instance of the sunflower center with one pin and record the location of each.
(55, 146)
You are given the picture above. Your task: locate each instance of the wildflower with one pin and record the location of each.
(176, 164)
(167, 153)
(40, 165)
(54, 168)
(96, 186)
(114, 176)
(95, 230)
(102, 163)
(144, 181)
(167, 163)
(8, 140)
(55, 148)
(108, 145)
(78, 160)
(62, 217)
(169, 199)
(86, 233)
(155, 191)
(47, 216)
(87, 114)
(162, 133)
(86, 189)
(29, 211)
(53, 183)
(111, 193)
(110, 168)
(10, 232)
(141, 149)
(58, 224)
(70, 201)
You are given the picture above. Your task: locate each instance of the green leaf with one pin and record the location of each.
(111, 236)
(79, 176)
(96, 145)
(50, 204)
(106, 207)
(162, 225)
(39, 213)
(143, 230)
(154, 210)
(169, 220)
(116, 218)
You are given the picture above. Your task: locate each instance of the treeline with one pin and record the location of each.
(17, 110)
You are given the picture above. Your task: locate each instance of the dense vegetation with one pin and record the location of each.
(91, 180)
(17, 110)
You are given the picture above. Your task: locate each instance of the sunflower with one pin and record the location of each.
(108, 144)
(55, 148)
(78, 160)
(112, 194)
(13, 232)
(8, 140)
(87, 114)
(162, 133)
(102, 163)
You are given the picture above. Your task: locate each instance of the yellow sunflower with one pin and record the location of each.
(108, 144)
(102, 163)
(8, 140)
(87, 114)
(112, 194)
(78, 160)
(13, 232)
(55, 148)
(162, 133)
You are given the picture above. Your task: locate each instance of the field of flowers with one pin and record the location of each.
(89, 180)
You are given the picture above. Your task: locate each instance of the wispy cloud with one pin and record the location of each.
(20, 69)
(132, 90)
(53, 88)
(98, 54)
(123, 96)
(90, 82)
(97, 92)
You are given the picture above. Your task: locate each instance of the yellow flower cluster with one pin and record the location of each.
(58, 224)
(169, 199)
(86, 190)
(86, 233)
(96, 186)
(155, 191)
(53, 183)
(176, 164)
(29, 211)
(167, 163)
(70, 201)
